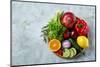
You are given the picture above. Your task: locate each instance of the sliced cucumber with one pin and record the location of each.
(66, 49)
(71, 53)
(75, 45)
(66, 53)
(74, 50)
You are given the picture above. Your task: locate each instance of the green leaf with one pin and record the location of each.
(54, 29)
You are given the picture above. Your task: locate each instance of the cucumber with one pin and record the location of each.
(71, 53)
(75, 45)
(74, 50)
(66, 49)
(66, 53)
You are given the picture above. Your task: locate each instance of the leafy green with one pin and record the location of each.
(54, 29)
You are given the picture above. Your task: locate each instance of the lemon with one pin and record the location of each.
(83, 41)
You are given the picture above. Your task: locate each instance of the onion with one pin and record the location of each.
(66, 44)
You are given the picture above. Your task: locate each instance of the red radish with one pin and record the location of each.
(68, 19)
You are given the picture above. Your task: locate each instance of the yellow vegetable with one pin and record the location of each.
(83, 41)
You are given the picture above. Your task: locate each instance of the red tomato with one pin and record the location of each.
(68, 19)
(59, 52)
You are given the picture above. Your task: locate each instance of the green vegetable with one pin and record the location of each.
(54, 29)
(66, 53)
(75, 45)
(74, 50)
(71, 53)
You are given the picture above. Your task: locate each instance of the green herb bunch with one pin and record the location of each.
(54, 29)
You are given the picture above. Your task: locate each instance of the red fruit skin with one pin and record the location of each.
(66, 34)
(77, 19)
(59, 52)
(82, 30)
(74, 34)
(68, 19)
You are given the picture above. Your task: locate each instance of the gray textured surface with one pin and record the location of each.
(28, 19)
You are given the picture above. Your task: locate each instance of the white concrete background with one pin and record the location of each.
(28, 18)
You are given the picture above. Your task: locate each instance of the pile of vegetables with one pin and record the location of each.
(67, 34)
(54, 29)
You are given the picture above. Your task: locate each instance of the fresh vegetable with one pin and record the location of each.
(83, 41)
(74, 34)
(82, 27)
(54, 29)
(72, 52)
(69, 52)
(68, 19)
(59, 52)
(75, 45)
(77, 18)
(66, 34)
(66, 53)
(54, 45)
(66, 44)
